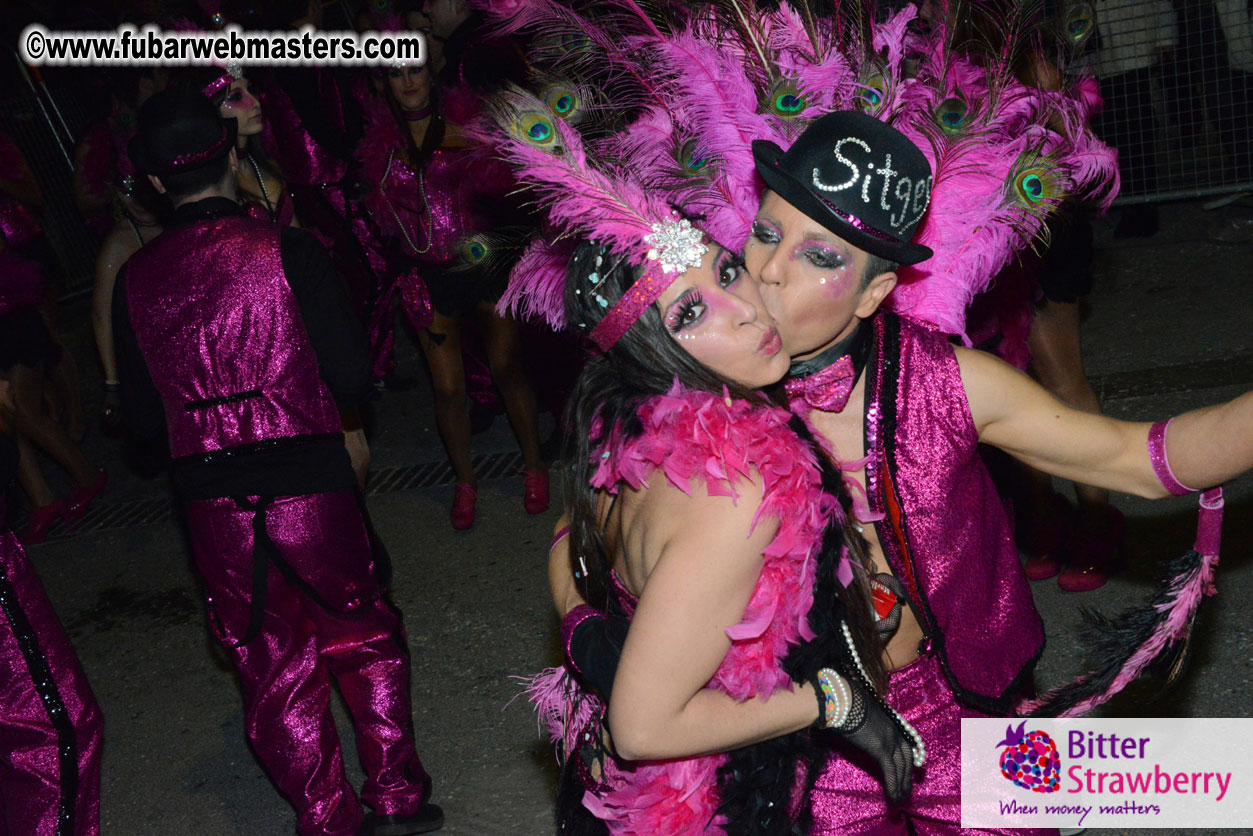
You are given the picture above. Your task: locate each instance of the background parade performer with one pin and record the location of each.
(240, 333)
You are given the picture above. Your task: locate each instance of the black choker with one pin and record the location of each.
(856, 345)
(417, 115)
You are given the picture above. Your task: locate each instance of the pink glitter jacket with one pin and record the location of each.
(695, 434)
(945, 531)
(222, 335)
(437, 211)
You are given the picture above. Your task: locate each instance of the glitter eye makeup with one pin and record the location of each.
(685, 312)
(765, 233)
(239, 98)
(821, 255)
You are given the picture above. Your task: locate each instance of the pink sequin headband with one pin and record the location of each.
(218, 85)
(675, 245)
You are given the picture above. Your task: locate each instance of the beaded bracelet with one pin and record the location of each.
(834, 702)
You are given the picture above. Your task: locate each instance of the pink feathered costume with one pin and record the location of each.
(691, 434)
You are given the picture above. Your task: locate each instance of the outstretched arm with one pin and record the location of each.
(710, 558)
(1206, 446)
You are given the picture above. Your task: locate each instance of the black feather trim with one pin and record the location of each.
(1114, 642)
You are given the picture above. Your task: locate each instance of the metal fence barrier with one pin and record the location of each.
(1177, 79)
(46, 139)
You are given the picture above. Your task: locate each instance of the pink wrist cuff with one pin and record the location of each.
(1161, 463)
(571, 623)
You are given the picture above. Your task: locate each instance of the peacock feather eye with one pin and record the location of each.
(575, 42)
(563, 101)
(1079, 21)
(953, 114)
(1036, 182)
(474, 250)
(1031, 187)
(873, 93)
(380, 5)
(536, 128)
(786, 99)
(690, 164)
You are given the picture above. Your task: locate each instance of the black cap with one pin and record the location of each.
(858, 177)
(180, 130)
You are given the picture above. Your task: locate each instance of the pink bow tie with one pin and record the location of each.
(826, 389)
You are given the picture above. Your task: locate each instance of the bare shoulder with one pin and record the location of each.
(692, 525)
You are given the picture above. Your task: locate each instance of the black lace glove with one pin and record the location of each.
(870, 727)
(849, 707)
(111, 409)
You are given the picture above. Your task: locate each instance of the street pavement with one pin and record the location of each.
(1167, 329)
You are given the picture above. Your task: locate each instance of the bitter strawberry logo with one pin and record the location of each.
(1030, 759)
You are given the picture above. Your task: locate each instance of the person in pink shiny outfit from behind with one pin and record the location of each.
(239, 332)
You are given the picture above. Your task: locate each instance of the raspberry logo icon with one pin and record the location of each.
(1030, 759)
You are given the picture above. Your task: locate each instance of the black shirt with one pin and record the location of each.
(307, 466)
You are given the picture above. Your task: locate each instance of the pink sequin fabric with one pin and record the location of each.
(687, 435)
(284, 211)
(212, 289)
(646, 290)
(1161, 463)
(50, 724)
(958, 559)
(428, 213)
(848, 797)
(285, 672)
(302, 160)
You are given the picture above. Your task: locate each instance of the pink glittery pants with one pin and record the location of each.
(353, 634)
(50, 725)
(848, 798)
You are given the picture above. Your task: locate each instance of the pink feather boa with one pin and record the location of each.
(696, 435)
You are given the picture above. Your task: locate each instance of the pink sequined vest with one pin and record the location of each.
(945, 532)
(221, 332)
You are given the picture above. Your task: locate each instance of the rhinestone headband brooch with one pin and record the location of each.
(674, 246)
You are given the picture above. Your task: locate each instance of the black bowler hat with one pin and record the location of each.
(180, 130)
(858, 177)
